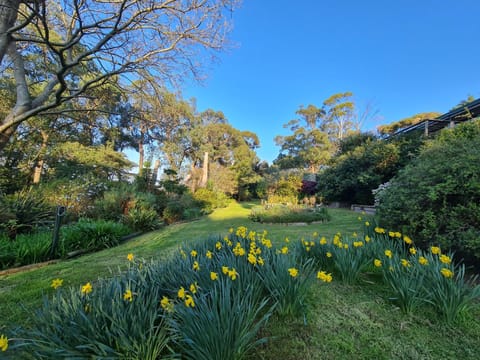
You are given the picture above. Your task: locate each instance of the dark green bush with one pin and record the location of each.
(141, 219)
(173, 212)
(25, 249)
(436, 198)
(22, 212)
(91, 235)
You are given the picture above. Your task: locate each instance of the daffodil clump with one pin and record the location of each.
(420, 277)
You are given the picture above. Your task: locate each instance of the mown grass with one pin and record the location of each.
(343, 321)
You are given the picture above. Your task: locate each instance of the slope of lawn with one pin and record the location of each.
(343, 321)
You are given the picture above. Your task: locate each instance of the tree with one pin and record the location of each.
(308, 146)
(339, 119)
(84, 43)
(400, 124)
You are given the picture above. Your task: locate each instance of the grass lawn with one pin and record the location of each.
(343, 321)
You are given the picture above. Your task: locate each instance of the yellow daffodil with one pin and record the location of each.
(195, 266)
(252, 259)
(329, 254)
(287, 240)
(379, 230)
(128, 295)
(354, 234)
(209, 254)
(260, 261)
(391, 234)
(232, 274)
(315, 234)
(412, 251)
(447, 273)
(323, 276)
(405, 262)
(87, 288)
(184, 255)
(435, 250)
(130, 257)
(225, 270)
(407, 240)
(367, 223)
(193, 253)
(189, 302)
(367, 238)
(56, 283)
(377, 263)
(293, 272)
(445, 259)
(388, 253)
(218, 245)
(284, 250)
(230, 230)
(166, 304)
(213, 276)
(422, 261)
(181, 293)
(194, 288)
(323, 241)
(3, 343)
(397, 234)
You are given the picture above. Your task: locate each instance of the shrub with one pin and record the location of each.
(173, 212)
(91, 235)
(22, 212)
(436, 196)
(211, 199)
(286, 214)
(141, 219)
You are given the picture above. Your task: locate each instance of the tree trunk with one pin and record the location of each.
(203, 182)
(40, 160)
(156, 167)
(141, 154)
(8, 16)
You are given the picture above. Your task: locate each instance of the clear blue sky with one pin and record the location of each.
(404, 56)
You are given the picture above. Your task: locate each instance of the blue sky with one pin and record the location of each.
(402, 56)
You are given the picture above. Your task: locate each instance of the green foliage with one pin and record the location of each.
(91, 235)
(289, 214)
(224, 323)
(141, 219)
(77, 195)
(405, 281)
(22, 212)
(103, 323)
(436, 197)
(397, 125)
(289, 289)
(354, 174)
(350, 257)
(452, 296)
(211, 199)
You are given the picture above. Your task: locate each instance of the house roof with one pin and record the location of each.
(455, 116)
